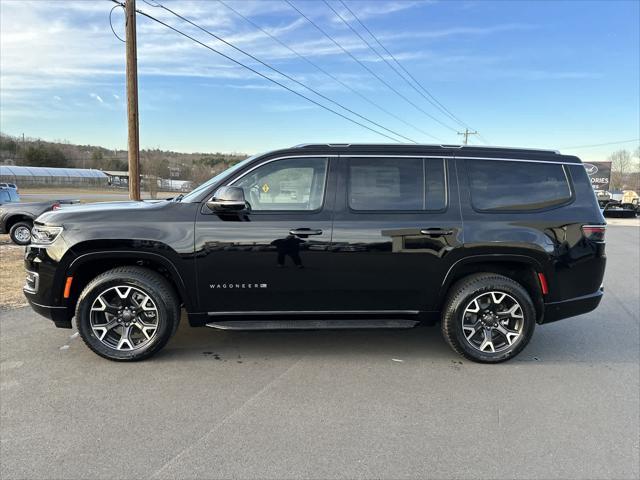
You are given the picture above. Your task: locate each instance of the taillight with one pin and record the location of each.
(56, 206)
(594, 233)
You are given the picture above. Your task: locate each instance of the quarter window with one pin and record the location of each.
(294, 184)
(396, 184)
(502, 185)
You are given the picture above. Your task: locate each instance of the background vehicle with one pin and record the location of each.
(8, 195)
(10, 185)
(16, 219)
(488, 241)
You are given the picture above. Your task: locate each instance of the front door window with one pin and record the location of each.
(294, 184)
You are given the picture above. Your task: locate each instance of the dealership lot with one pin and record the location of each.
(358, 404)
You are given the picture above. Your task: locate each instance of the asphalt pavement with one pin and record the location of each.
(355, 404)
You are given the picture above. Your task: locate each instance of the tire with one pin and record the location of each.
(18, 233)
(127, 314)
(493, 329)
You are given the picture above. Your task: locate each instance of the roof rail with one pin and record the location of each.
(449, 146)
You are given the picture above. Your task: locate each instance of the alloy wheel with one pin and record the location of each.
(492, 322)
(124, 318)
(22, 234)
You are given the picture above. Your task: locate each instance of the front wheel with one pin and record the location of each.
(488, 318)
(127, 314)
(20, 233)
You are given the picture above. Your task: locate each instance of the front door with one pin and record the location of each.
(273, 256)
(396, 228)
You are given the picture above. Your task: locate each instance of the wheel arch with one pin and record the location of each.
(89, 264)
(17, 217)
(521, 268)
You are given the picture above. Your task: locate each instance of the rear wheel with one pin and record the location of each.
(20, 233)
(488, 318)
(127, 314)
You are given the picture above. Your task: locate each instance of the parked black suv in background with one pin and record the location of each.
(490, 241)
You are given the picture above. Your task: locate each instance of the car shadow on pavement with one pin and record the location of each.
(577, 340)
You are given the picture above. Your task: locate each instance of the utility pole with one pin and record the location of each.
(466, 134)
(132, 101)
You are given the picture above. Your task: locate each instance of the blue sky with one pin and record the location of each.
(540, 74)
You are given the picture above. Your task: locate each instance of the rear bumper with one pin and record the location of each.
(570, 308)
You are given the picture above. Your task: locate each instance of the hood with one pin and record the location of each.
(94, 211)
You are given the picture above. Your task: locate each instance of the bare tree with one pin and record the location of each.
(621, 164)
(155, 167)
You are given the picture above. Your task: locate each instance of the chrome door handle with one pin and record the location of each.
(305, 231)
(436, 232)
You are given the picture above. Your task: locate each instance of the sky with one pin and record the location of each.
(544, 74)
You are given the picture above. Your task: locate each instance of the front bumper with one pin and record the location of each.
(42, 287)
(572, 307)
(59, 315)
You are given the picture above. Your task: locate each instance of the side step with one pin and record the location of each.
(310, 324)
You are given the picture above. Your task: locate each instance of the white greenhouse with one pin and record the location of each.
(45, 176)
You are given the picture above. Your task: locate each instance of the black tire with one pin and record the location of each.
(461, 297)
(147, 282)
(16, 232)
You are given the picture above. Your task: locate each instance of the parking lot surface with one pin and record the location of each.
(356, 404)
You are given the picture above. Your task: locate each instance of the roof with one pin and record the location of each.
(391, 149)
(116, 173)
(20, 171)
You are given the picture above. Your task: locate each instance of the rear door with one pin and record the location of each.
(396, 228)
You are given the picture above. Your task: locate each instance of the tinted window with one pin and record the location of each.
(396, 184)
(500, 185)
(435, 184)
(294, 184)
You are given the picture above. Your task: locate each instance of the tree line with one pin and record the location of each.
(194, 167)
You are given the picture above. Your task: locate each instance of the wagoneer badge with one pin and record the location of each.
(239, 286)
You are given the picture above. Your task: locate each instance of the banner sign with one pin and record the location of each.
(600, 174)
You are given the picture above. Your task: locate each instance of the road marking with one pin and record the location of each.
(71, 339)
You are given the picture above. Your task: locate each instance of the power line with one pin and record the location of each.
(390, 87)
(111, 23)
(603, 144)
(289, 77)
(324, 71)
(389, 64)
(433, 100)
(237, 62)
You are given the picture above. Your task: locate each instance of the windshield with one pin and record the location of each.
(195, 193)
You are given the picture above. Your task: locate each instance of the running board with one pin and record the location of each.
(310, 324)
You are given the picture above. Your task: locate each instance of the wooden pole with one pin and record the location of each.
(132, 101)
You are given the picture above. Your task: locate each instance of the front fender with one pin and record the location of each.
(180, 269)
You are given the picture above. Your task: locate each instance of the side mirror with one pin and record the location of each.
(227, 199)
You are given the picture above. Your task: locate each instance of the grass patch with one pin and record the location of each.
(11, 274)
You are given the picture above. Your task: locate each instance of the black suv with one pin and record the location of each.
(488, 241)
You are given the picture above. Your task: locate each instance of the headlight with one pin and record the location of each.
(41, 235)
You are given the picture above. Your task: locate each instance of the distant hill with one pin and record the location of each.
(196, 167)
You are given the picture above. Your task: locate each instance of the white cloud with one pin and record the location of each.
(116, 97)
(96, 97)
(57, 98)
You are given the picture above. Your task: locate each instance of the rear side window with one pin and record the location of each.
(520, 186)
(396, 184)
